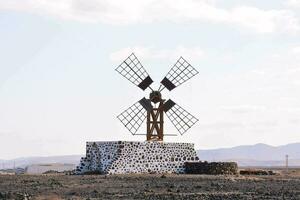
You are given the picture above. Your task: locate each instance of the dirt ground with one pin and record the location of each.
(149, 187)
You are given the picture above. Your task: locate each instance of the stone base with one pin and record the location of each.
(120, 157)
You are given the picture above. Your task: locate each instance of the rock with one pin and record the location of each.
(2, 195)
(163, 176)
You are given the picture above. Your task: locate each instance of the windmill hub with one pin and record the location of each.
(155, 96)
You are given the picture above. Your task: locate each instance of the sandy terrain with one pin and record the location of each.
(149, 187)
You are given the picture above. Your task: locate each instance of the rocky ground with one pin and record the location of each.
(149, 187)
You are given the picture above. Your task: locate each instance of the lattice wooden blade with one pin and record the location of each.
(179, 117)
(133, 70)
(133, 117)
(179, 73)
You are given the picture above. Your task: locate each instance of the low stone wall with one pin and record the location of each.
(119, 157)
(213, 168)
(256, 172)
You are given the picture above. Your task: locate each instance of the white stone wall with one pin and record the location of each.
(119, 157)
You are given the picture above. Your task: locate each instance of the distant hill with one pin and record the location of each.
(255, 155)
(43, 168)
(23, 162)
(246, 155)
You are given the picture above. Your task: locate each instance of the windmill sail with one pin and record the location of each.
(133, 117)
(179, 117)
(133, 70)
(179, 73)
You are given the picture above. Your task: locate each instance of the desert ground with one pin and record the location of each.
(57, 186)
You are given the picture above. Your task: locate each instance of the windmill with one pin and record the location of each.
(154, 107)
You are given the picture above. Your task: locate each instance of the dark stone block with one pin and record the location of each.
(213, 168)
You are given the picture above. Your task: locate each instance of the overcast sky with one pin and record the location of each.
(58, 87)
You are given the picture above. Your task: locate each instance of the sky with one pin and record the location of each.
(59, 89)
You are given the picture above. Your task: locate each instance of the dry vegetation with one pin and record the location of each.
(150, 187)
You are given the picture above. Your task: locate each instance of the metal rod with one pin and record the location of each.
(286, 163)
(162, 89)
(150, 88)
(159, 87)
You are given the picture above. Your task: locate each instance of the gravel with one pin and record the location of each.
(149, 187)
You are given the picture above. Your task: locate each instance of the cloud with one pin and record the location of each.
(264, 21)
(230, 125)
(120, 12)
(221, 125)
(293, 3)
(258, 104)
(146, 53)
(244, 109)
(296, 51)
